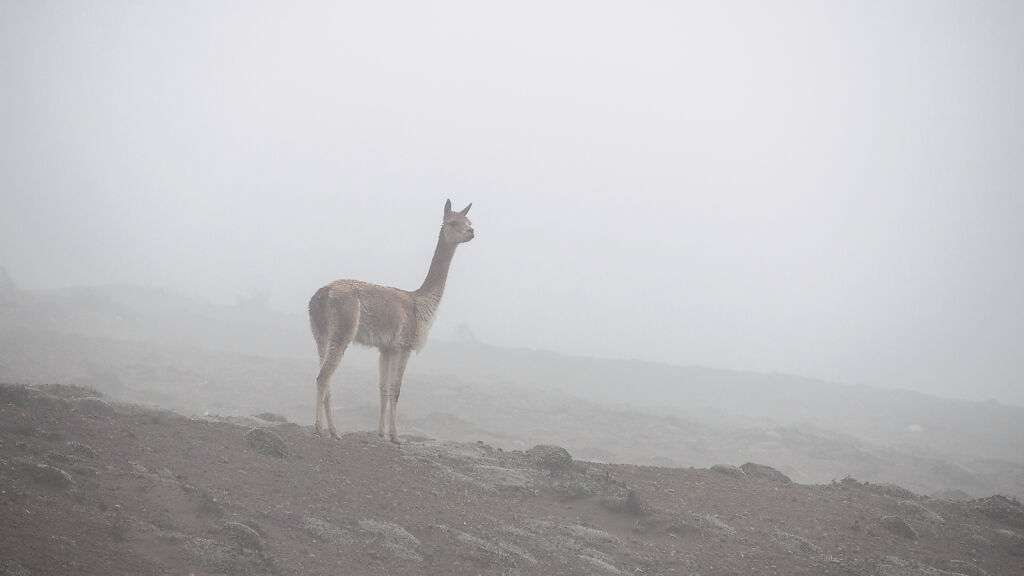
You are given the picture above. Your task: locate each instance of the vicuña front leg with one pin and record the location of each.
(384, 369)
(396, 390)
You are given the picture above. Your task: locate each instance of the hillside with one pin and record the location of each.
(149, 346)
(89, 485)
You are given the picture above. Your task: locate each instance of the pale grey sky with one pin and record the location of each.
(832, 189)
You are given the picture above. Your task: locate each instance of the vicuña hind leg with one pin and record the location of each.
(323, 390)
(330, 415)
(344, 320)
(396, 388)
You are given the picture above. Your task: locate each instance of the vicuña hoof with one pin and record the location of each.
(396, 440)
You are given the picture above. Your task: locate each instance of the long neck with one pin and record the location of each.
(437, 275)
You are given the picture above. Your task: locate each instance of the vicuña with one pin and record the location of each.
(394, 321)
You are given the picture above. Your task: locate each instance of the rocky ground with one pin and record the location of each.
(152, 347)
(89, 485)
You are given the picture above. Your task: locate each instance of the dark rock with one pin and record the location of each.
(966, 568)
(919, 511)
(266, 442)
(899, 527)
(952, 494)
(13, 394)
(766, 472)
(49, 476)
(68, 391)
(1006, 510)
(796, 544)
(891, 490)
(11, 568)
(81, 449)
(729, 470)
(93, 407)
(243, 535)
(554, 458)
(271, 417)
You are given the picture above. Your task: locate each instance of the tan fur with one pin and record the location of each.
(392, 320)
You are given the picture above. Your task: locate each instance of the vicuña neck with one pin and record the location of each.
(433, 284)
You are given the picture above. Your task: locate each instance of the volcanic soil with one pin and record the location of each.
(89, 485)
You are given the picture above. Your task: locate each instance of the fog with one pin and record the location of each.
(832, 190)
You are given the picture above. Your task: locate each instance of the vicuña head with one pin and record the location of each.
(456, 228)
(392, 320)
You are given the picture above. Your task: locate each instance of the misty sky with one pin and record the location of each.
(831, 189)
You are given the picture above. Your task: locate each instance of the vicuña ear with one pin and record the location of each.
(466, 209)
(447, 207)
